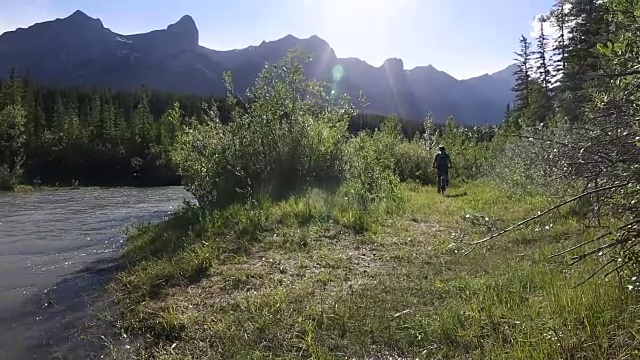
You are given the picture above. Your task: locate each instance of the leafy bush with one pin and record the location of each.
(8, 178)
(413, 162)
(289, 136)
(525, 164)
(370, 172)
(470, 149)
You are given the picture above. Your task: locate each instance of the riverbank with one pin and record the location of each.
(294, 280)
(24, 188)
(20, 188)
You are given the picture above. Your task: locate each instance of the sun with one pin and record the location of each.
(357, 28)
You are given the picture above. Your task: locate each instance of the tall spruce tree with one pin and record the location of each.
(94, 130)
(59, 119)
(585, 27)
(544, 106)
(108, 123)
(543, 70)
(143, 133)
(523, 76)
(558, 18)
(12, 91)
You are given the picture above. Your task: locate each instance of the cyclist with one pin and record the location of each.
(442, 163)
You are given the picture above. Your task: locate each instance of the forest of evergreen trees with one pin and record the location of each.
(87, 137)
(556, 73)
(577, 110)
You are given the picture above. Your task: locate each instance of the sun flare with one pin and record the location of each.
(355, 11)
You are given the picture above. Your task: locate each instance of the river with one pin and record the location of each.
(57, 250)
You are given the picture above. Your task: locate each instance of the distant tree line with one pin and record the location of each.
(74, 136)
(87, 136)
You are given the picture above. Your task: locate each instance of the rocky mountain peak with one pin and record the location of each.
(185, 31)
(81, 21)
(394, 65)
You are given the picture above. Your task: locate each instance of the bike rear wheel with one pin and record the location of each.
(442, 184)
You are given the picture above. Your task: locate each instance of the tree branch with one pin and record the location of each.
(616, 75)
(602, 236)
(607, 159)
(595, 272)
(555, 207)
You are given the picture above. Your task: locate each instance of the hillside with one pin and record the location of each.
(80, 51)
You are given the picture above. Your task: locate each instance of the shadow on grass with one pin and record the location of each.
(182, 250)
(193, 225)
(456, 195)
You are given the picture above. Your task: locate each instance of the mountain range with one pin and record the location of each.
(80, 51)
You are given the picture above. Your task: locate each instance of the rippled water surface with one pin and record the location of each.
(57, 247)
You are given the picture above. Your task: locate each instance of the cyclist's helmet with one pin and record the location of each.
(441, 148)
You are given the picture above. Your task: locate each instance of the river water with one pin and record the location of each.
(57, 250)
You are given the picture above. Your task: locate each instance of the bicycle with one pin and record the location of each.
(441, 181)
(442, 184)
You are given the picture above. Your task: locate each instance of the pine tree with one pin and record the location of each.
(74, 130)
(522, 86)
(60, 128)
(108, 126)
(532, 101)
(587, 28)
(540, 106)
(58, 123)
(31, 114)
(558, 17)
(39, 118)
(544, 106)
(510, 122)
(94, 125)
(121, 128)
(507, 112)
(142, 124)
(508, 115)
(12, 91)
(542, 67)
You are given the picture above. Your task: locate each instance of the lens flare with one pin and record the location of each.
(338, 72)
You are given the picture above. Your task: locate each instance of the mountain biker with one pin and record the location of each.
(442, 163)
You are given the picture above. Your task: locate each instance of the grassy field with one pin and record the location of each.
(292, 280)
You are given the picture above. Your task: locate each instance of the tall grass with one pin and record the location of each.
(307, 242)
(303, 286)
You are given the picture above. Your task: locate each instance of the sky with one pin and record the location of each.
(464, 38)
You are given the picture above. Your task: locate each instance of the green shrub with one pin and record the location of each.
(370, 167)
(413, 162)
(290, 135)
(469, 149)
(8, 178)
(527, 165)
